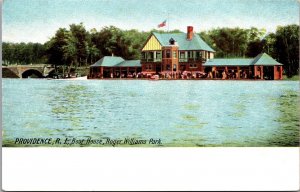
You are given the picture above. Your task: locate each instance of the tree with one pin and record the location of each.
(79, 37)
(254, 48)
(54, 47)
(23, 53)
(268, 43)
(286, 47)
(70, 52)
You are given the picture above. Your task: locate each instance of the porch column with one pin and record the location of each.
(255, 71)
(238, 73)
(261, 72)
(101, 71)
(127, 70)
(120, 73)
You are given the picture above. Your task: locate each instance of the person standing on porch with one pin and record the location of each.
(224, 75)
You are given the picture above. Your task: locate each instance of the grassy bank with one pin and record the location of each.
(293, 78)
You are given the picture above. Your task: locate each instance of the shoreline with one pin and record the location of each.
(148, 79)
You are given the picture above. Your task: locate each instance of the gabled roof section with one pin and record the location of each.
(196, 43)
(228, 62)
(265, 59)
(108, 61)
(129, 63)
(152, 43)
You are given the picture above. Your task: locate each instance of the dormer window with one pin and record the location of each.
(172, 41)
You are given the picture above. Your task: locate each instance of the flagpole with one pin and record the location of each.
(168, 22)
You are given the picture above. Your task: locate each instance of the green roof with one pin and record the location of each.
(130, 63)
(108, 61)
(195, 44)
(261, 59)
(265, 59)
(111, 61)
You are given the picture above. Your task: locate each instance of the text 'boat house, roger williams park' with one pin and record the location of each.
(185, 56)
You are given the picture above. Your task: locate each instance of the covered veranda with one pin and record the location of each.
(262, 66)
(114, 67)
(229, 69)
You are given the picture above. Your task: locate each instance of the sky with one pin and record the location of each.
(38, 20)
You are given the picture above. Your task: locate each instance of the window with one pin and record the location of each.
(158, 55)
(190, 54)
(198, 55)
(182, 54)
(148, 67)
(193, 65)
(182, 67)
(150, 55)
(174, 67)
(203, 54)
(168, 67)
(168, 54)
(174, 54)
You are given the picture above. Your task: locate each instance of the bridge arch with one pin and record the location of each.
(32, 73)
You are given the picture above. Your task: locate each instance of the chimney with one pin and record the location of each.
(190, 32)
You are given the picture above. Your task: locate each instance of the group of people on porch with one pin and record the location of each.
(229, 74)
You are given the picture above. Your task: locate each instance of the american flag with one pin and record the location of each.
(162, 24)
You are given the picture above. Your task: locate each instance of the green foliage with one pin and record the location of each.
(23, 53)
(54, 47)
(232, 42)
(286, 48)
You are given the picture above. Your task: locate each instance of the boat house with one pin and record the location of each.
(185, 56)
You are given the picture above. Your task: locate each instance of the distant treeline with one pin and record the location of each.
(75, 47)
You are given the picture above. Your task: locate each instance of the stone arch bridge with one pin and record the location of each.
(25, 71)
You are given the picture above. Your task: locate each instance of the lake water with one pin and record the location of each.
(179, 112)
